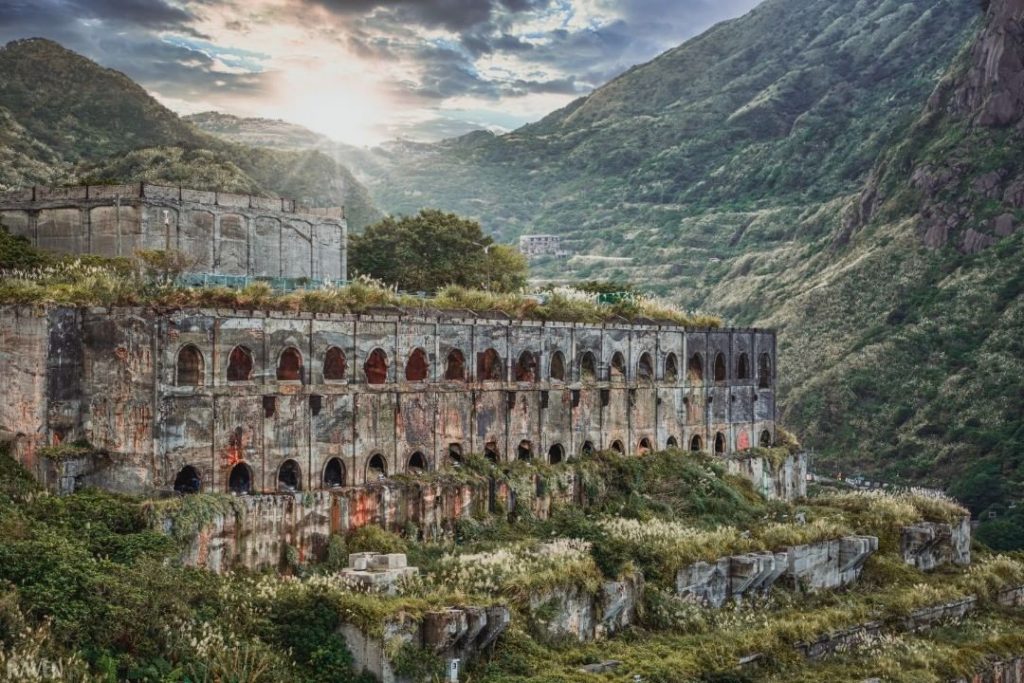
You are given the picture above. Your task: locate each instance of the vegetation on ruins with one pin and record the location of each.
(90, 584)
(150, 281)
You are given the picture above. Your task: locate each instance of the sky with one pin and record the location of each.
(366, 71)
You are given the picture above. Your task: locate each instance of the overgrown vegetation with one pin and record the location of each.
(94, 281)
(90, 583)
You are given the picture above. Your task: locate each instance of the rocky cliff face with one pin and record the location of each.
(955, 170)
(991, 93)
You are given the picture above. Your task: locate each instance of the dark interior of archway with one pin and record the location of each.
(417, 462)
(289, 366)
(489, 367)
(190, 367)
(187, 481)
(525, 450)
(335, 364)
(455, 369)
(416, 368)
(526, 367)
(288, 477)
(671, 368)
(240, 365)
(376, 367)
(334, 473)
(240, 479)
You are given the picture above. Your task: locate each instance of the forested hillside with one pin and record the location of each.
(839, 171)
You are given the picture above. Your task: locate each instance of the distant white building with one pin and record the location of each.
(539, 245)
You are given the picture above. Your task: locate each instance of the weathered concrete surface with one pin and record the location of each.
(271, 523)
(818, 566)
(457, 632)
(378, 572)
(218, 232)
(1006, 671)
(785, 482)
(929, 545)
(863, 634)
(333, 399)
(572, 612)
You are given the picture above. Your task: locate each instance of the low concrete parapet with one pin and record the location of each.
(452, 633)
(382, 573)
(825, 565)
(577, 614)
(928, 545)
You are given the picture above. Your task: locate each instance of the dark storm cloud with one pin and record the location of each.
(124, 35)
(567, 61)
(454, 15)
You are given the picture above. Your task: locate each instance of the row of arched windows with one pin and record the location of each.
(190, 367)
(289, 474)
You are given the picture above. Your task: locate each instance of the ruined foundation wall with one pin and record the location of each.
(220, 233)
(372, 394)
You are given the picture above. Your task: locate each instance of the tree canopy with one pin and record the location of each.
(433, 249)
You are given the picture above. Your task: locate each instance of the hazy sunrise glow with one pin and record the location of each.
(364, 71)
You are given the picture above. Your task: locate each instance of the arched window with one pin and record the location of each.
(526, 367)
(525, 450)
(417, 463)
(240, 479)
(289, 477)
(557, 372)
(644, 446)
(695, 369)
(743, 367)
(455, 452)
(376, 367)
(455, 366)
(188, 480)
(764, 371)
(190, 367)
(671, 368)
(618, 447)
(766, 439)
(240, 365)
(335, 364)
(588, 448)
(617, 372)
(377, 467)
(289, 365)
(672, 442)
(556, 454)
(334, 473)
(491, 452)
(645, 368)
(588, 367)
(416, 368)
(719, 442)
(721, 373)
(696, 443)
(489, 367)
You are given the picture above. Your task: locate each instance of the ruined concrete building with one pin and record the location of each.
(218, 233)
(244, 401)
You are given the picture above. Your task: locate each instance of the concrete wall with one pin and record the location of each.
(222, 233)
(128, 391)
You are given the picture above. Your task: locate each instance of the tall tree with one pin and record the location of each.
(433, 249)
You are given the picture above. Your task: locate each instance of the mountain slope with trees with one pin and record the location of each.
(845, 172)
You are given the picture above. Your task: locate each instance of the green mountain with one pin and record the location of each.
(840, 171)
(291, 138)
(65, 119)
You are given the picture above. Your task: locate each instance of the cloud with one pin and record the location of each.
(360, 70)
